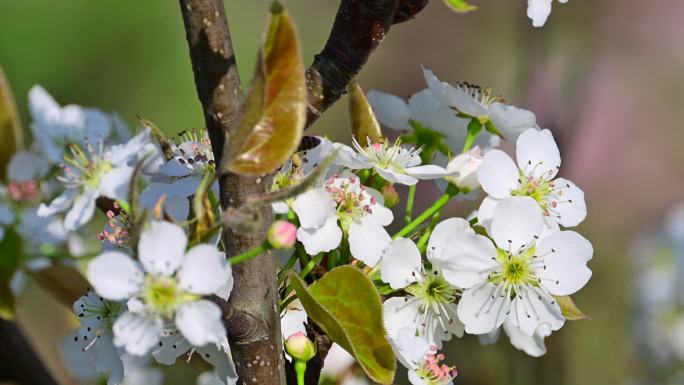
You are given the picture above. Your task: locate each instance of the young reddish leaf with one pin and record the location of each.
(273, 113)
(347, 307)
(10, 126)
(569, 310)
(363, 121)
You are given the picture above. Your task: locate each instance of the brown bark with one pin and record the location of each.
(251, 315)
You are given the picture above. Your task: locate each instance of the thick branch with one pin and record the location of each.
(251, 315)
(360, 26)
(18, 362)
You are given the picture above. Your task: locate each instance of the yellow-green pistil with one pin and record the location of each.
(164, 295)
(515, 270)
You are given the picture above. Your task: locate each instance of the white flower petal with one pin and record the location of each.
(511, 121)
(115, 275)
(347, 157)
(367, 240)
(314, 208)
(537, 154)
(82, 210)
(137, 332)
(532, 345)
(432, 114)
(114, 184)
(59, 204)
(177, 207)
(483, 308)
(401, 263)
(204, 270)
(564, 255)
(6, 214)
(517, 221)
(400, 313)
(25, 165)
(162, 247)
(498, 175)
(121, 154)
(200, 322)
(467, 259)
(530, 308)
(185, 187)
(410, 349)
(453, 97)
(176, 167)
(395, 177)
(490, 338)
(538, 11)
(443, 231)
(389, 109)
(571, 206)
(293, 321)
(322, 239)
(486, 212)
(426, 172)
(170, 348)
(219, 356)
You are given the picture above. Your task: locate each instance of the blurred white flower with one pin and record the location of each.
(538, 162)
(167, 285)
(539, 11)
(514, 278)
(429, 306)
(422, 360)
(462, 170)
(93, 173)
(358, 209)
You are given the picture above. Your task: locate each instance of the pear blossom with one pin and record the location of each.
(538, 162)
(90, 350)
(393, 162)
(429, 306)
(138, 371)
(539, 11)
(180, 177)
(463, 168)
(93, 173)
(166, 286)
(55, 127)
(422, 360)
(173, 344)
(513, 278)
(474, 102)
(343, 205)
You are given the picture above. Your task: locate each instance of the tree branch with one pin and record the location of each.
(360, 26)
(251, 316)
(18, 362)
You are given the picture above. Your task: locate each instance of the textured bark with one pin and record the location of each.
(18, 362)
(360, 26)
(251, 315)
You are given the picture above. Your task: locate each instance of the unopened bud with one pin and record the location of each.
(390, 194)
(300, 347)
(464, 169)
(282, 235)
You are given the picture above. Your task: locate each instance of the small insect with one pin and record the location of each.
(308, 142)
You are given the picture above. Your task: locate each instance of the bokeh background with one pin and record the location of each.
(605, 75)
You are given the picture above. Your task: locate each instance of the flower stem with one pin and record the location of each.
(474, 128)
(300, 369)
(436, 207)
(249, 254)
(409, 202)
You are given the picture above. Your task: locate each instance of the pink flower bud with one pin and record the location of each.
(300, 347)
(464, 169)
(282, 234)
(390, 194)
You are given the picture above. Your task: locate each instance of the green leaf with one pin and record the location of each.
(63, 282)
(273, 113)
(460, 6)
(10, 125)
(346, 306)
(364, 125)
(569, 310)
(10, 252)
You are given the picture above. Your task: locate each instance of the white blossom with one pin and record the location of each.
(462, 169)
(538, 162)
(474, 102)
(393, 162)
(539, 11)
(514, 277)
(429, 306)
(166, 286)
(422, 360)
(343, 205)
(92, 173)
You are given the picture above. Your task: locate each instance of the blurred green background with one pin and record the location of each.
(604, 75)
